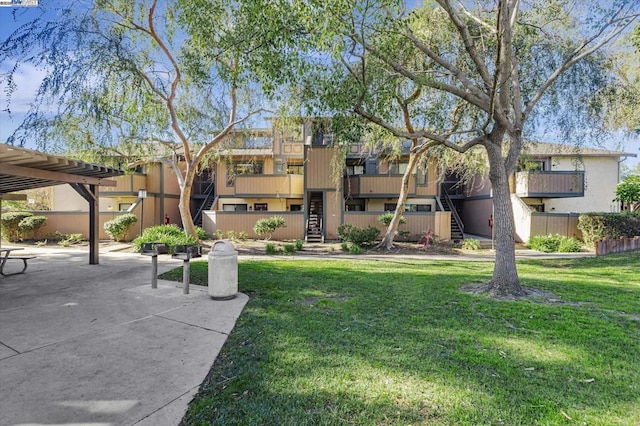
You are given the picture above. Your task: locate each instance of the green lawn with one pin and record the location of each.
(397, 343)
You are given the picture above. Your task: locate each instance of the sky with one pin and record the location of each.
(29, 78)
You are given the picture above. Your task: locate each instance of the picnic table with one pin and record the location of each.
(5, 253)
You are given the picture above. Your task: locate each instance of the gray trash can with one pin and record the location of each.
(223, 270)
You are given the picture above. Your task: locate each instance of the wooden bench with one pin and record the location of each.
(24, 260)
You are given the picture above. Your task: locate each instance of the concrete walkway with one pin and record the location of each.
(95, 345)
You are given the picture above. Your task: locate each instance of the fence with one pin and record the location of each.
(620, 245)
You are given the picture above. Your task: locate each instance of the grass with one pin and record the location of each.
(397, 343)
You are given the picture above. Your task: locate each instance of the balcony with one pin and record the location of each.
(270, 185)
(557, 184)
(376, 185)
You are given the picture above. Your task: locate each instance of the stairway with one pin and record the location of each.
(314, 221)
(206, 205)
(456, 228)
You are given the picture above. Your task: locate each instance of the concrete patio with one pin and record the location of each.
(95, 345)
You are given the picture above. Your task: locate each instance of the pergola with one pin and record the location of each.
(22, 169)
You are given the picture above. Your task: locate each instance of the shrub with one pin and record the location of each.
(569, 245)
(201, 234)
(242, 236)
(118, 228)
(219, 234)
(596, 226)
(30, 225)
(344, 246)
(298, 245)
(170, 235)
(386, 219)
(471, 244)
(359, 236)
(554, 243)
(289, 249)
(268, 226)
(270, 248)
(355, 249)
(231, 235)
(11, 224)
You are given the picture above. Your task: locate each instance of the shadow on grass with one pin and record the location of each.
(337, 342)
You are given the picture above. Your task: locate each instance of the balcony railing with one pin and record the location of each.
(376, 185)
(270, 185)
(556, 184)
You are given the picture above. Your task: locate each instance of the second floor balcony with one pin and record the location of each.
(269, 185)
(382, 185)
(555, 184)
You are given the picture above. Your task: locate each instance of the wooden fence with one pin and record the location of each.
(620, 245)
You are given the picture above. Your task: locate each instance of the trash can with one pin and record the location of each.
(223, 270)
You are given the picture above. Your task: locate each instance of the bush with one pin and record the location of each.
(219, 234)
(386, 219)
(268, 226)
(202, 235)
(554, 243)
(30, 225)
(170, 235)
(597, 226)
(471, 244)
(298, 245)
(289, 249)
(344, 246)
(11, 225)
(118, 228)
(270, 248)
(355, 249)
(358, 236)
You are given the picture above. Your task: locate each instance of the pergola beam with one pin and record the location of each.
(32, 173)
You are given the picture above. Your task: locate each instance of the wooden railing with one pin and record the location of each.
(276, 185)
(372, 185)
(558, 184)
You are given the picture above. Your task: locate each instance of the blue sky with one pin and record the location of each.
(28, 79)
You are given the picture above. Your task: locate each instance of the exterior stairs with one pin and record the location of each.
(314, 221)
(457, 227)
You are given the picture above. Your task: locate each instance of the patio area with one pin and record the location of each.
(94, 344)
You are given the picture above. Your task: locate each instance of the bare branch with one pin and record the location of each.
(467, 39)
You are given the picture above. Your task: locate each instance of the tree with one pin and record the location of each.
(482, 77)
(628, 191)
(141, 81)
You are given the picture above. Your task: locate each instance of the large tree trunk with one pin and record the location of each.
(505, 281)
(387, 240)
(185, 203)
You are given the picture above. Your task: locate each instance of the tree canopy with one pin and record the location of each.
(456, 76)
(130, 82)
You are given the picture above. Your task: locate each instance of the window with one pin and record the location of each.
(354, 205)
(234, 207)
(295, 169)
(421, 177)
(355, 166)
(398, 168)
(417, 207)
(532, 165)
(123, 207)
(295, 207)
(260, 207)
(236, 169)
(389, 207)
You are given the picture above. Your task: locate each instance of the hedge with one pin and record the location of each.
(597, 226)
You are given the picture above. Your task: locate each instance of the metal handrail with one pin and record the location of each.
(210, 194)
(456, 217)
